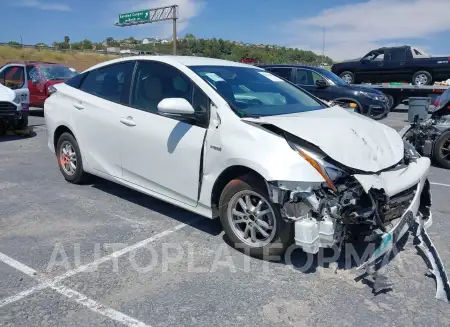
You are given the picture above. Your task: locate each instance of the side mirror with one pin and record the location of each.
(320, 83)
(35, 81)
(175, 107)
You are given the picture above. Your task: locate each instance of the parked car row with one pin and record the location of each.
(35, 76)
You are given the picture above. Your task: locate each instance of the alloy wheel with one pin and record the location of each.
(251, 218)
(68, 158)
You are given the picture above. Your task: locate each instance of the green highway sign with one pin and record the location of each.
(137, 16)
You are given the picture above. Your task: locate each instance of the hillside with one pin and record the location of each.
(232, 50)
(78, 60)
(82, 56)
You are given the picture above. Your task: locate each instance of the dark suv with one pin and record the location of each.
(330, 87)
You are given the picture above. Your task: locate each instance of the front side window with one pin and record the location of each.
(13, 77)
(307, 77)
(154, 82)
(374, 56)
(110, 82)
(33, 75)
(256, 92)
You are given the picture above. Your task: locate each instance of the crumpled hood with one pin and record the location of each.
(6, 94)
(351, 139)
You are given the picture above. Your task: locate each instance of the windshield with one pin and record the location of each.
(52, 73)
(255, 92)
(332, 77)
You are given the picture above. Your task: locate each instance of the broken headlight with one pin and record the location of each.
(328, 171)
(410, 153)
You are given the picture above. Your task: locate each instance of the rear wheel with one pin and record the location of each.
(348, 77)
(251, 221)
(69, 159)
(422, 78)
(441, 152)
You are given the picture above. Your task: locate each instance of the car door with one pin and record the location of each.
(36, 86)
(395, 65)
(371, 67)
(161, 153)
(96, 108)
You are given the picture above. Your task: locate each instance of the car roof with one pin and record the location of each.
(31, 62)
(184, 60)
(290, 66)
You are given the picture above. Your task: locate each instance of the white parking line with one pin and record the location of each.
(78, 297)
(440, 184)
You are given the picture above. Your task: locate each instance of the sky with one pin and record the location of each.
(344, 29)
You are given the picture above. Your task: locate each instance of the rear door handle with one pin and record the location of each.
(79, 106)
(128, 121)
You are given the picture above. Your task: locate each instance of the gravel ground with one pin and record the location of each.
(175, 268)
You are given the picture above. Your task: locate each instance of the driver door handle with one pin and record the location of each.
(128, 121)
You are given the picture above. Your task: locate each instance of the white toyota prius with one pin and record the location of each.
(223, 139)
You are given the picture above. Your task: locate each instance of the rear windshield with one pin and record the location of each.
(255, 92)
(52, 73)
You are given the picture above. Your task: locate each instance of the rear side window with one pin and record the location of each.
(110, 82)
(398, 54)
(76, 80)
(282, 72)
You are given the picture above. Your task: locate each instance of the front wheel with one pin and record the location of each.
(441, 152)
(251, 221)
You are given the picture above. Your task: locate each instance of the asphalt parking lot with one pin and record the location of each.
(103, 255)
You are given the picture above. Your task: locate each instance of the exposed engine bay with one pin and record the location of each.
(380, 206)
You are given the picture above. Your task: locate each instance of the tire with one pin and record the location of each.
(21, 123)
(79, 176)
(280, 236)
(348, 77)
(422, 75)
(443, 140)
(391, 102)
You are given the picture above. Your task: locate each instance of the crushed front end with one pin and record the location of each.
(380, 206)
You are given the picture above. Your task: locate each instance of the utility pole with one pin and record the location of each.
(174, 12)
(323, 46)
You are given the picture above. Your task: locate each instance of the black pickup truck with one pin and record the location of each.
(394, 64)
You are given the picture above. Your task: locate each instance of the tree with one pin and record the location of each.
(41, 45)
(13, 43)
(87, 45)
(66, 39)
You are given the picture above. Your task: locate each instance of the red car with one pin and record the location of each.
(39, 76)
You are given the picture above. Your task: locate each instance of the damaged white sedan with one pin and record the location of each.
(228, 140)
